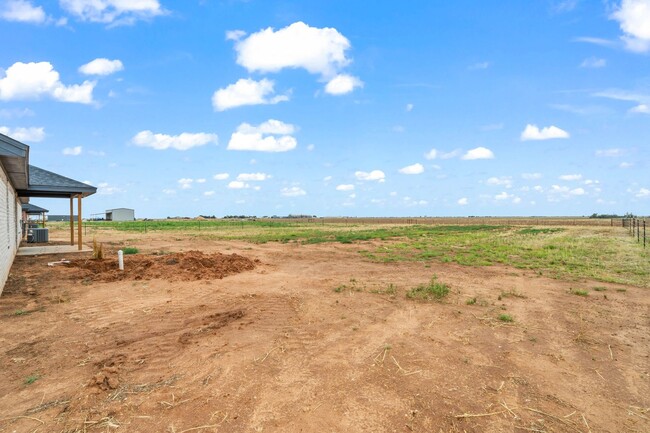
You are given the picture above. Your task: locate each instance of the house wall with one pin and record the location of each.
(122, 214)
(10, 227)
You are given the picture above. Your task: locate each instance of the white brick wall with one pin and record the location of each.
(10, 229)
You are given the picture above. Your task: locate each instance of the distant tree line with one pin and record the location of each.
(609, 216)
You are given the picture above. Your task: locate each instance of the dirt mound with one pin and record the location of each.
(186, 266)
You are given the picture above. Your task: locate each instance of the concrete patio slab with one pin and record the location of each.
(52, 249)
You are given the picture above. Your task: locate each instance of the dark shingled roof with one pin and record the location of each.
(32, 209)
(13, 158)
(31, 181)
(43, 183)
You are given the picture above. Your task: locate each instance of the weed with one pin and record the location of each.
(340, 288)
(130, 250)
(512, 294)
(98, 250)
(20, 312)
(506, 318)
(31, 378)
(471, 301)
(391, 289)
(621, 290)
(600, 289)
(579, 292)
(432, 291)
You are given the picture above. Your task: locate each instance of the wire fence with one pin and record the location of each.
(637, 228)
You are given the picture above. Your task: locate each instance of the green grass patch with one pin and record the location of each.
(31, 379)
(20, 312)
(506, 318)
(600, 289)
(606, 254)
(534, 231)
(433, 291)
(579, 292)
(471, 301)
(130, 250)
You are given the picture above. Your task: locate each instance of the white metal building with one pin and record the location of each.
(120, 214)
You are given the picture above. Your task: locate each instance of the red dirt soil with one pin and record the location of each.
(186, 266)
(313, 339)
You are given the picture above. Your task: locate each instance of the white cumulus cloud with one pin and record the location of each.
(643, 193)
(342, 84)
(577, 191)
(113, 12)
(72, 151)
(345, 187)
(641, 108)
(185, 183)
(376, 175)
(237, 184)
(246, 177)
(33, 80)
(412, 169)
(22, 11)
(500, 181)
(532, 132)
(270, 136)
(610, 153)
(30, 135)
(184, 141)
(570, 177)
(101, 66)
(478, 153)
(104, 188)
(246, 91)
(293, 191)
(271, 126)
(463, 201)
(209, 193)
(633, 17)
(319, 51)
(221, 176)
(432, 154)
(531, 176)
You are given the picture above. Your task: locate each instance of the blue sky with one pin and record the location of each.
(334, 107)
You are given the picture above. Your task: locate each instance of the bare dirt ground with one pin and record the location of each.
(275, 346)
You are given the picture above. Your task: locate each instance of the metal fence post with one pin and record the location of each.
(644, 234)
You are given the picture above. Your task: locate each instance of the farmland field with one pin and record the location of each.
(331, 327)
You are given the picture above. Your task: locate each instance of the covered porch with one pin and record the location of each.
(46, 184)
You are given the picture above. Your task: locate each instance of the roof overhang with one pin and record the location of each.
(44, 183)
(14, 156)
(32, 209)
(32, 181)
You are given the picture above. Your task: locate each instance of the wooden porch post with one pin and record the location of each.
(71, 221)
(79, 232)
(43, 216)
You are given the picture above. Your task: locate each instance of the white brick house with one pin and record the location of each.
(10, 227)
(18, 182)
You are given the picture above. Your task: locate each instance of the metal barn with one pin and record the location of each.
(120, 214)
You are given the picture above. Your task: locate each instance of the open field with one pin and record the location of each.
(332, 328)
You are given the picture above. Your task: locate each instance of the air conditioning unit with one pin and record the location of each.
(39, 235)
